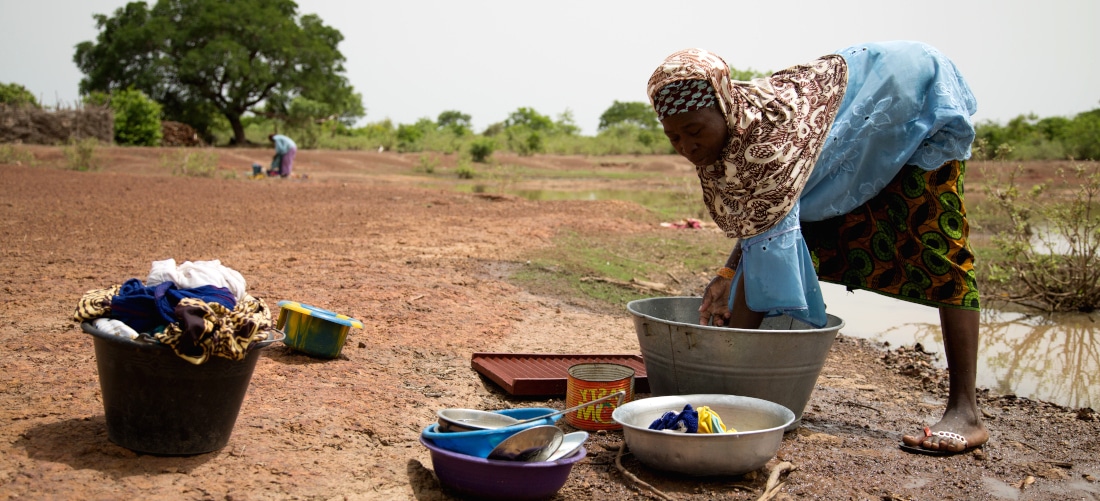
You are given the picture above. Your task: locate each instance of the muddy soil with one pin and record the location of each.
(426, 269)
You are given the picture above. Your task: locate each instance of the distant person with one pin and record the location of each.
(285, 149)
(847, 169)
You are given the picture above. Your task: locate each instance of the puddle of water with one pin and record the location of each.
(1055, 361)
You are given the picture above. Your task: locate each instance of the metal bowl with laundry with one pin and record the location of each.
(758, 423)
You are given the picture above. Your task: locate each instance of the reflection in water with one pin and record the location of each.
(1028, 356)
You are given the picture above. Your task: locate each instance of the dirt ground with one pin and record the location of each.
(425, 268)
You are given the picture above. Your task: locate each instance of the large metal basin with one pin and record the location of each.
(779, 362)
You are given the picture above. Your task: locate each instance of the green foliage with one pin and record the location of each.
(15, 155)
(204, 57)
(481, 149)
(565, 124)
(1049, 251)
(747, 74)
(456, 121)
(1082, 135)
(81, 154)
(634, 113)
(427, 164)
(191, 162)
(464, 170)
(409, 137)
(96, 98)
(137, 118)
(14, 94)
(529, 118)
(1027, 137)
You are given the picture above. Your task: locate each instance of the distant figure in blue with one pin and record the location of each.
(285, 149)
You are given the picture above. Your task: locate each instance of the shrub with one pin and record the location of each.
(80, 154)
(16, 95)
(482, 149)
(464, 171)
(427, 164)
(10, 154)
(409, 138)
(137, 118)
(191, 163)
(1050, 250)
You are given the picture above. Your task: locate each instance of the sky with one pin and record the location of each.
(413, 59)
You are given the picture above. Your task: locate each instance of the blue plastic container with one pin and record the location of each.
(481, 442)
(312, 330)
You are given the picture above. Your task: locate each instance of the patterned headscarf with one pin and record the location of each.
(777, 127)
(683, 96)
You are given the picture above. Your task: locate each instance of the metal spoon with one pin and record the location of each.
(621, 394)
(531, 444)
(472, 419)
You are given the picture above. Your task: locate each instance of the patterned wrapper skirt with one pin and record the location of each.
(909, 242)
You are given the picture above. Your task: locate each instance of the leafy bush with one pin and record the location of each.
(481, 149)
(464, 171)
(10, 154)
(191, 162)
(137, 118)
(16, 95)
(1050, 250)
(80, 154)
(409, 137)
(427, 164)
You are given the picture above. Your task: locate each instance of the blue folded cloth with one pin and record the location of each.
(146, 308)
(686, 421)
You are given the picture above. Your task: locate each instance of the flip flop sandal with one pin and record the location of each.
(916, 449)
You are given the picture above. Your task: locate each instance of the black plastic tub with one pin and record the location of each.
(157, 403)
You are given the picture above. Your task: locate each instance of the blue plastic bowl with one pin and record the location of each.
(481, 442)
(490, 479)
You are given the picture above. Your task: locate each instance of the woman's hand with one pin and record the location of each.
(715, 308)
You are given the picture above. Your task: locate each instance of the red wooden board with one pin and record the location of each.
(536, 374)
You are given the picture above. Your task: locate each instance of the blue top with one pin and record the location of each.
(905, 104)
(283, 144)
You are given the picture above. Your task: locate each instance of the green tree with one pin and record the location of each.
(1082, 135)
(566, 124)
(455, 121)
(633, 112)
(16, 95)
(204, 57)
(530, 119)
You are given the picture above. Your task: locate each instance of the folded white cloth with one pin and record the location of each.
(197, 274)
(115, 327)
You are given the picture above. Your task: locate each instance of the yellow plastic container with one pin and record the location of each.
(312, 330)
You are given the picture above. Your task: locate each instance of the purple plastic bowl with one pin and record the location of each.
(492, 479)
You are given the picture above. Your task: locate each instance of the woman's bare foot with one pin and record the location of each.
(954, 433)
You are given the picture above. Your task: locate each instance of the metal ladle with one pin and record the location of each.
(471, 419)
(621, 394)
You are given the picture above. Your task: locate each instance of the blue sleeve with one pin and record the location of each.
(779, 274)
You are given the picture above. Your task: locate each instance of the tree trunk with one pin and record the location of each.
(238, 128)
